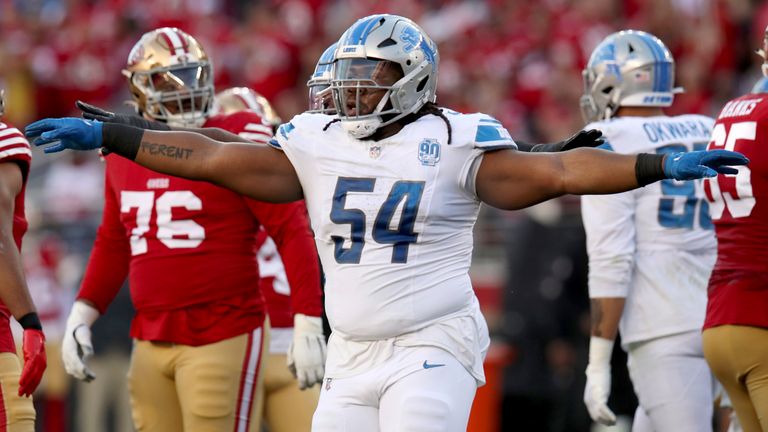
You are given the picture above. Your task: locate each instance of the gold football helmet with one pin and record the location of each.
(171, 78)
(237, 99)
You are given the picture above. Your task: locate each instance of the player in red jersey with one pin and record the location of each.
(189, 250)
(286, 407)
(16, 411)
(736, 325)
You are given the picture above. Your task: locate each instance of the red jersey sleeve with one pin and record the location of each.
(110, 258)
(14, 147)
(288, 226)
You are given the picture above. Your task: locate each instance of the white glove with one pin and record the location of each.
(598, 386)
(76, 346)
(306, 355)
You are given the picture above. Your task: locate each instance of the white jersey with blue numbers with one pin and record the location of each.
(393, 223)
(654, 245)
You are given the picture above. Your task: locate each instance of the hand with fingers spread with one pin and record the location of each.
(65, 133)
(699, 164)
(588, 138)
(306, 354)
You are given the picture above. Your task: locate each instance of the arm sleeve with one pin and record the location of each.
(109, 261)
(288, 225)
(610, 227)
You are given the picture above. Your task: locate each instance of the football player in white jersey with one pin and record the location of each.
(651, 250)
(393, 185)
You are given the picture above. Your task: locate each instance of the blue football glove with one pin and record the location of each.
(699, 164)
(67, 133)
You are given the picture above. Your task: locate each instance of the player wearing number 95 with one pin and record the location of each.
(189, 250)
(393, 185)
(651, 250)
(736, 326)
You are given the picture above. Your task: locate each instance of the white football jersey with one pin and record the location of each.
(654, 245)
(393, 219)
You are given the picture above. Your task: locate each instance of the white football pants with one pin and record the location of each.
(418, 389)
(673, 383)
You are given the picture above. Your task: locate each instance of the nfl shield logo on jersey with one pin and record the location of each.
(429, 152)
(374, 151)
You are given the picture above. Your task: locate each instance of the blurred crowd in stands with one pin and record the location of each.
(517, 60)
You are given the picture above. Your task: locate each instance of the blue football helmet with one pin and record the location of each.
(320, 99)
(628, 68)
(374, 47)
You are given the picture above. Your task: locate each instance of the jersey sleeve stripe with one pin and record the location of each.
(254, 127)
(511, 146)
(9, 131)
(15, 151)
(273, 142)
(15, 141)
(490, 121)
(491, 133)
(256, 137)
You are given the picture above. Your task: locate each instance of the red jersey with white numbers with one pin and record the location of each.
(274, 282)
(14, 148)
(738, 287)
(188, 248)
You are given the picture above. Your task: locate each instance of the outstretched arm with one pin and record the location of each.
(512, 180)
(254, 170)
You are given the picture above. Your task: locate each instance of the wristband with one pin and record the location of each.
(121, 139)
(30, 321)
(649, 168)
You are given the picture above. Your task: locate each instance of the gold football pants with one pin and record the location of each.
(286, 408)
(206, 388)
(16, 413)
(738, 356)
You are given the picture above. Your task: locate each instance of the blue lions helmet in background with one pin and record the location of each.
(628, 68)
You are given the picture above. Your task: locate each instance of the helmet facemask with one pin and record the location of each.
(321, 98)
(180, 95)
(601, 95)
(363, 90)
